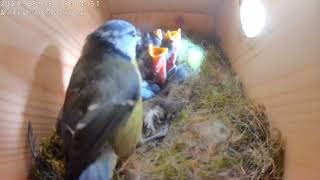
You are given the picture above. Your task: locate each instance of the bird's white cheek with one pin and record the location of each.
(92, 107)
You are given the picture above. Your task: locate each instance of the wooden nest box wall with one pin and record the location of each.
(279, 68)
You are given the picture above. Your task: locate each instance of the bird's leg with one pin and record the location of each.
(161, 134)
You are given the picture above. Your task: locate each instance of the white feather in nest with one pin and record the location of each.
(159, 112)
(151, 115)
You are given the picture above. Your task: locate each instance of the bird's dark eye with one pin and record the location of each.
(132, 33)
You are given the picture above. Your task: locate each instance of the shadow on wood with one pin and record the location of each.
(45, 97)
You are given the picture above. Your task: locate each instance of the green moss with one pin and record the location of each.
(50, 164)
(224, 162)
(253, 150)
(216, 93)
(183, 119)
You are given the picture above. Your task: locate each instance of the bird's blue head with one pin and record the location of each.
(119, 34)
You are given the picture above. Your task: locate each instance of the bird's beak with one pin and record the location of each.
(157, 52)
(173, 35)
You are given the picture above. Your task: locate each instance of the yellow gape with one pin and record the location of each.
(173, 35)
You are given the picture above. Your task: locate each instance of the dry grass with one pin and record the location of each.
(221, 134)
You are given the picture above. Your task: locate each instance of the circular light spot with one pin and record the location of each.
(195, 58)
(253, 17)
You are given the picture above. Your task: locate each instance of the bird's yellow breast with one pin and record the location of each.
(129, 133)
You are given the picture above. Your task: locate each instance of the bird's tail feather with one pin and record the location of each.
(32, 143)
(102, 168)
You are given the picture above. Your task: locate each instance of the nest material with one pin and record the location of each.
(220, 135)
(48, 164)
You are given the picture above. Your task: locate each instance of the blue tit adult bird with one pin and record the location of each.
(101, 118)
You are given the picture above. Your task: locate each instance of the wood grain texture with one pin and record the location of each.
(196, 22)
(139, 6)
(37, 53)
(280, 68)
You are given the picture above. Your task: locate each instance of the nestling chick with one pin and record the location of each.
(172, 41)
(143, 58)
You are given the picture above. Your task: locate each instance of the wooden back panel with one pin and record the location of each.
(143, 6)
(149, 21)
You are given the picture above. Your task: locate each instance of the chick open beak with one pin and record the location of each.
(173, 35)
(159, 63)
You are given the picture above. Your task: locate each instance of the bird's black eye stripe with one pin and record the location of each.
(132, 33)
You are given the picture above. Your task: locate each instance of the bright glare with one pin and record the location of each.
(253, 17)
(191, 54)
(195, 58)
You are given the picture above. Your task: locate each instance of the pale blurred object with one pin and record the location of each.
(253, 17)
